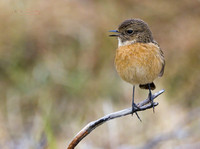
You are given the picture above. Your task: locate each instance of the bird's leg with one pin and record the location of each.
(134, 105)
(150, 96)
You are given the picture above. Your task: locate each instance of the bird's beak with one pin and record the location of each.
(114, 35)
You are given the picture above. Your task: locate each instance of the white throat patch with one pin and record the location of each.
(120, 43)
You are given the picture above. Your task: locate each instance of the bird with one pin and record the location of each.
(139, 59)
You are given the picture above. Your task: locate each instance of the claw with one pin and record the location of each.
(152, 103)
(134, 106)
(151, 98)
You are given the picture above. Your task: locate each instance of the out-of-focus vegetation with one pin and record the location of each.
(57, 74)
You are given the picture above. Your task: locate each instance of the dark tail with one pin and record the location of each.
(145, 86)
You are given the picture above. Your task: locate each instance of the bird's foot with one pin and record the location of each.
(151, 100)
(134, 106)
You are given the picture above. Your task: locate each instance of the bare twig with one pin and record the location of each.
(143, 105)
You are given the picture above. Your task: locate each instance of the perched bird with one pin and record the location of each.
(139, 59)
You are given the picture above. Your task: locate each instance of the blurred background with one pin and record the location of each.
(57, 74)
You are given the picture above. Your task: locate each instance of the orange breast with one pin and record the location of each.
(139, 63)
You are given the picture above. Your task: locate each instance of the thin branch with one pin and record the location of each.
(143, 105)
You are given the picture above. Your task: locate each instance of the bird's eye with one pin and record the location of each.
(129, 31)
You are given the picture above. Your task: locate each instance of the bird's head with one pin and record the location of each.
(132, 31)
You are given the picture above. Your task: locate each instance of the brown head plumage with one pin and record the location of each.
(134, 30)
